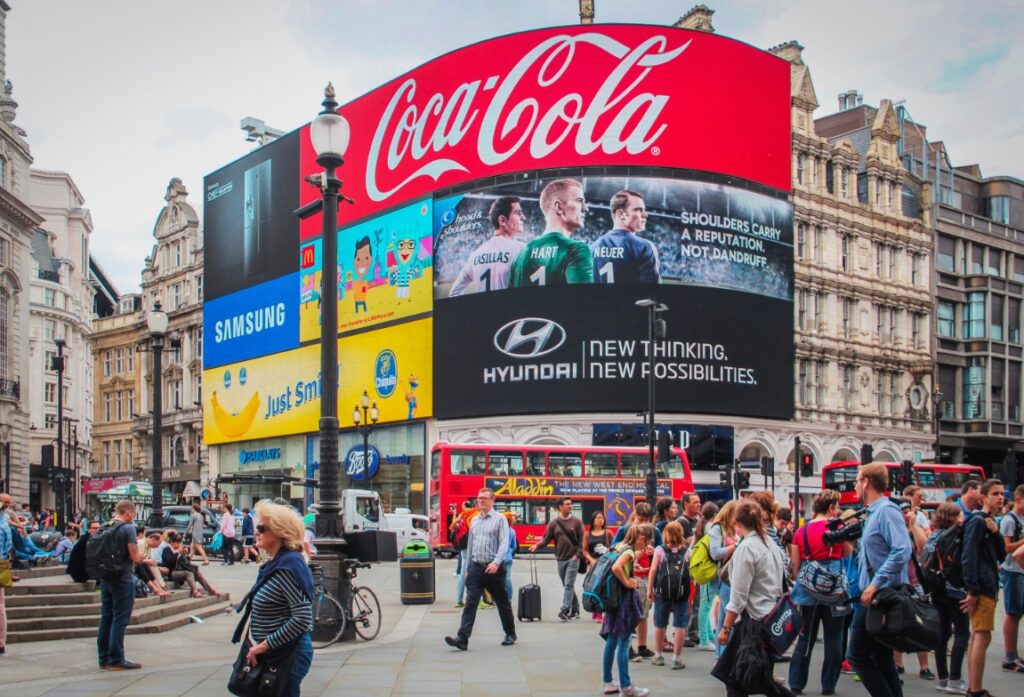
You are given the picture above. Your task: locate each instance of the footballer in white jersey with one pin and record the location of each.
(489, 266)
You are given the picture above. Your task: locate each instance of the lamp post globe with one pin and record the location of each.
(157, 323)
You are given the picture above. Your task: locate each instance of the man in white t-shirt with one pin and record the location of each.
(489, 266)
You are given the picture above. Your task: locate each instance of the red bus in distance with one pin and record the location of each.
(938, 481)
(528, 480)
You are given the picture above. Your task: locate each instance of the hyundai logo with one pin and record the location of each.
(529, 337)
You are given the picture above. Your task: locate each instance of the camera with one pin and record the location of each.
(844, 528)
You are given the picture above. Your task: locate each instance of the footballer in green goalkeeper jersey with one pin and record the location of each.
(555, 258)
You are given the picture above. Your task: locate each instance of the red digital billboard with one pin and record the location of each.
(624, 95)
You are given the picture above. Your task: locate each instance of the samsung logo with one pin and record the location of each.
(260, 455)
(248, 323)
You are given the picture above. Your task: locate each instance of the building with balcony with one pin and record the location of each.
(61, 310)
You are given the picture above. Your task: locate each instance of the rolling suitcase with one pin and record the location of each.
(529, 596)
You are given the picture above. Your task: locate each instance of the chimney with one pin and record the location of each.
(586, 11)
(698, 19)
(850, 99)
(791, 51)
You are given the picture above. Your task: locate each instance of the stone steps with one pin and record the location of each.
(90, 608)
(41, 572)
(44, 586)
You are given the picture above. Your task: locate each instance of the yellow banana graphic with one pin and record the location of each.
(232, 425)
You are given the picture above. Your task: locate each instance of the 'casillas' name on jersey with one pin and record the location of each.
(492, 258)
(248, 323)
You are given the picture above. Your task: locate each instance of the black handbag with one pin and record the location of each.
(902, 620)
(269, 677)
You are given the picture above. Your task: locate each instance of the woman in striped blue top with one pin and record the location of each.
(282, 609)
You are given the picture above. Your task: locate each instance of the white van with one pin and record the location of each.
(407, 526)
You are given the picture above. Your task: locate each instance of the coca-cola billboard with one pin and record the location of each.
(566, 96)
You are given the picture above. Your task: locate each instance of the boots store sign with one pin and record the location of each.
(567, 96)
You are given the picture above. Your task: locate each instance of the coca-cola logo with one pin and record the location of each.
(418, 130)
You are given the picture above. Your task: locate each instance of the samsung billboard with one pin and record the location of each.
(642, 161)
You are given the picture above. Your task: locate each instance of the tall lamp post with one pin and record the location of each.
(937, 401)
(656, 329)
(157, 323)
(329, 133)
(58, 480)
(365, 421)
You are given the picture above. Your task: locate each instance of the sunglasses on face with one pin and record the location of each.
(261, 529)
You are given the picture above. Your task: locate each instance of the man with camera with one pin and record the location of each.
(882, 563)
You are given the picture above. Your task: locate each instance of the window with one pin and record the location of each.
(506, 464)
(801, 315)
(806, 389)
(847, 317)
(131, 403)
(820, 383)
(468, 461)
(845, 263)
(199, 288)
(945, 319)
(890, 194)
(175, 296)
(565, 465)
(117, 455)
(819, 311)
(1013, 321)
(974, 316)
(50, 395)
(106, 455)
(947, 253)
(915, 269)
(602, 465)
(3, 173)
(49, 359)
(131, 358)
(5, 252)
(119, 402)
(128, 459)
(896, 394)
(844, 182)
(974, 388)
(177, 254)
(50, 329)
(995, 262)
(893, 324)
(819, 243)
(197, 346)
(998, 388)
(801, 241)
(50, 421)
(173, 395)
(118, 361)
(879, 253)
(879, 183)
(998, 209)
(977, 258)
(996, 320)
(634, 465)
(106, 363)
(5, 329)
(50, 297)
(893, 275)
(916, 322)
(535, 465)
(1013, 392)
(815, 165)
(800, 163)
(849, 387)
(883, 402)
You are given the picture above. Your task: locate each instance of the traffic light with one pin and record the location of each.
(742, 480)
(806, 465)
(906, 477)
(725, 476)
(664, 445)
(867, 453)
(767, 465)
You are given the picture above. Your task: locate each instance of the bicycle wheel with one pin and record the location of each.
(365, 613)
(328, 621)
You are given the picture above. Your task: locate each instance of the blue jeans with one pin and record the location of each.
(460, 585)
(117, 599)
(799, 665)
(724, 593)
(300, 665)
(616, 648)
(872, 661)
(508, 580)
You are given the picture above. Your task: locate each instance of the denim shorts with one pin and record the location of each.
(1013, 593)
(678, 608)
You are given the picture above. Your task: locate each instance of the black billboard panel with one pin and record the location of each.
(585, 349)
(250, 231)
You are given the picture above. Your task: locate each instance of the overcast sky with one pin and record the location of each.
(124, 95)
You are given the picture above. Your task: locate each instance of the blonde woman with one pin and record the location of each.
(282, 599)
(722, 545)
(619, 624)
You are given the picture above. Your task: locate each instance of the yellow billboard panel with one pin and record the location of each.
(279, 395)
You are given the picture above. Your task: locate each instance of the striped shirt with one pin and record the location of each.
(281, 612)
(488, 538)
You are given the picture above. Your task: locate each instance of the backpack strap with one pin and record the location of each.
(575, 542)
(807, 543)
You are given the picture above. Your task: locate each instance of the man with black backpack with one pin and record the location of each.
(566, 530)
(1012, 530)
(110, 557)
(983, 550)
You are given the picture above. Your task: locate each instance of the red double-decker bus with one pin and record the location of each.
(938, 481)
(528, 480)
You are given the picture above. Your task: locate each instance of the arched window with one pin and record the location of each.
(5, 331)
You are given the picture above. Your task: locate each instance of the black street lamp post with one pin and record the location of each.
(157, 323)
(656, 329)
(365, 421)
(937, 402)
(58, 479)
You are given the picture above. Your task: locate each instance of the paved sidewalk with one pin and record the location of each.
(552, 659)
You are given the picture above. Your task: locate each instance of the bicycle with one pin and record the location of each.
(330, 618)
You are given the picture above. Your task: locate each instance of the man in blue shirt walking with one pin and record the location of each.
(882, 563)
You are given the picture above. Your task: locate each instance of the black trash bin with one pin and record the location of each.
(416, 568)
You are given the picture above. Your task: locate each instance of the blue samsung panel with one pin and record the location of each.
(257, 321)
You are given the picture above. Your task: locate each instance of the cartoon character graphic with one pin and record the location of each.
(363, 264)
(405, 269)
(410, 396)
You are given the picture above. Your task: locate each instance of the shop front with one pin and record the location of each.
(263, 469)
(392, 465)
(175, 479)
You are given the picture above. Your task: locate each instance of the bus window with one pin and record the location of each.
(540, 511)
(634, 465)
(675, 467)
(467, 461)
(925, 477)
(505, 464)
(602, 465)
(517, 507)
(841, 479)
(435, 464)
(535, 465)
(565, 464)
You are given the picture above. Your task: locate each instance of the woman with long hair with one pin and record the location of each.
(619, 624)
(756, 577)
(809, 547)
(666, 510)
(721, 548)
(596, 541)
(707, 591)
(952, 621)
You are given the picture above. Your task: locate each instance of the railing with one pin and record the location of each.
(10, 388)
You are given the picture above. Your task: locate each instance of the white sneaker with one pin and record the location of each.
(956, 687)
(634, 691)
(611, 688)
(940, 685)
